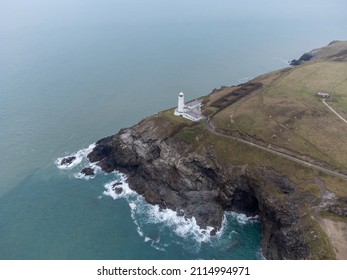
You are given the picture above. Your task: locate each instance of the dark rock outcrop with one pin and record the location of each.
(303, 58)
(162, 169)
(67, 160)
(118, 190)
(88, 171)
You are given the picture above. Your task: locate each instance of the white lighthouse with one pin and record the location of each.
(190, 111)
(180, 108)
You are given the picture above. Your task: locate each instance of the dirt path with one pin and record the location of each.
(314, 166)
(335, 230)
(337, 233)
(332, 110)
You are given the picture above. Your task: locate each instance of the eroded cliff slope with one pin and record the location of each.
(227, 162)
(177, 165)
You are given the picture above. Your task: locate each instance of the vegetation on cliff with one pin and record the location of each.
(242, 158)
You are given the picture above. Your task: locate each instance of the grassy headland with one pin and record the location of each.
(282, 109)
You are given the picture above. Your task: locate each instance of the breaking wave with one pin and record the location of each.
(144, 214)
(71, 161)
(96, 168)
(183, 227)
(118, 188)
(242, 218)
(160, 228)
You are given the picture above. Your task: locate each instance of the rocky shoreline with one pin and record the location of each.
(196, 185)
(202, 172)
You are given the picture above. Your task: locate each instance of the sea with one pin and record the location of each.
(75, 71)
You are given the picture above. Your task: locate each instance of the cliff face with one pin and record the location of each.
(168, 172)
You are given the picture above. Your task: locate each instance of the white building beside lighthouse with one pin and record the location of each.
(190, 111)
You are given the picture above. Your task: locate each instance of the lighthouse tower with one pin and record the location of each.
(180, 108)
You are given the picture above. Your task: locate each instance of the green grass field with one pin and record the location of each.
(284, 112)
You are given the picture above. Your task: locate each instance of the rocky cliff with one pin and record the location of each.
(199, 172)
(183, 172)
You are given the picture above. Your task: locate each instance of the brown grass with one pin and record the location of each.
(287, 113)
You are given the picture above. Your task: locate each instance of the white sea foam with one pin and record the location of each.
(126, 192)
(132, 205)
(147, 239)
(80, 175)
(143, 213)
(121, 183)
(155, 243)
(183, 227)
(157, 247)
(97, 169)
(79, 157)
(138, 228)
(221, 231)
(242, 218)
(133, 213)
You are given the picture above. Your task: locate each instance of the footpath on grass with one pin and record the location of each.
(336, 113)
(268, 149)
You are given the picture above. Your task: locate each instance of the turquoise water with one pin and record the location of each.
(72, 72)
